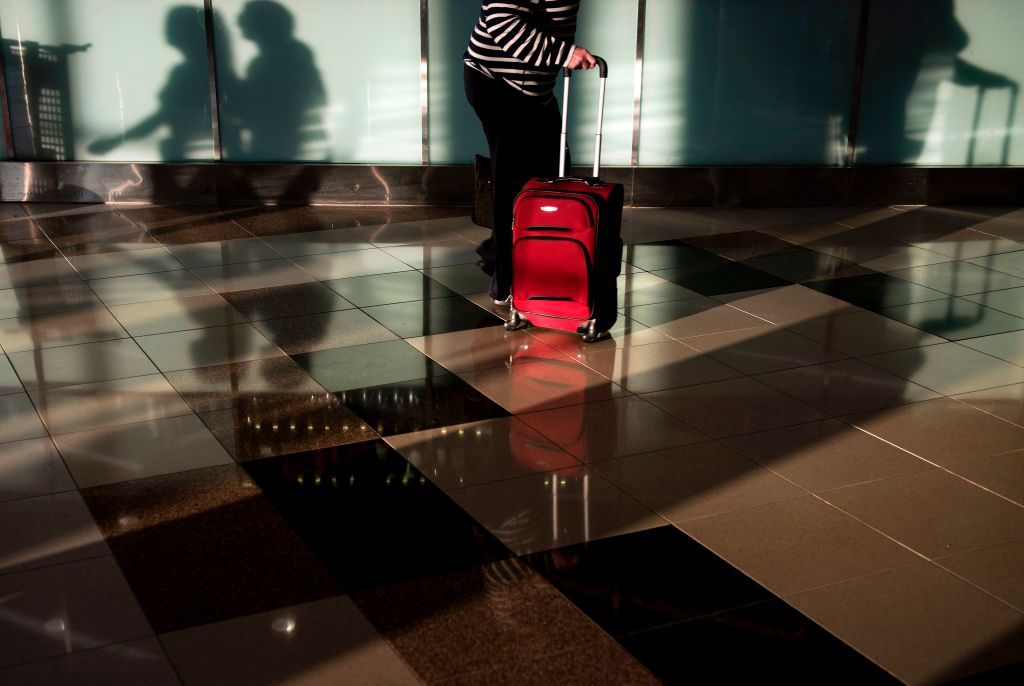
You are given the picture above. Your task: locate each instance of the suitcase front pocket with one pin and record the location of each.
(551, 276)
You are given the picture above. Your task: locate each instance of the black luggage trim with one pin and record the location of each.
(555, 298)
(561, 229)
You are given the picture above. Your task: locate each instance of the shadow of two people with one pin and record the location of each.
(273, 114)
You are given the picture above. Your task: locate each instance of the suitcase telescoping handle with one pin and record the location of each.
(603, 68)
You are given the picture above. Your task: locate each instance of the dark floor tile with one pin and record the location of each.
(257, 429)
(875, 291)
(286, 301)
(18, 228)
(801, 264)
(26, 250)
(197, 229)
(323, 331)
(420, 404)
(647, 579)
(742, 245)
(672, 255)
(370, 517)
(374, 364)
(429, 317)
(495, 624)
(269, 221)
(954, 318)
(765, 643)
(386, 289)
(83, 232)
(721, 279)
(1009, 674)
(203, 546)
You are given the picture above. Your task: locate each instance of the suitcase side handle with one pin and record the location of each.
(603, 70)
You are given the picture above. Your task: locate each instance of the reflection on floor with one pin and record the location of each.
(294, 445)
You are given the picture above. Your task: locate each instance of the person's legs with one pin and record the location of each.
(523, 135)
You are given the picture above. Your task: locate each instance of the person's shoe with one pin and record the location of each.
(499, 296)
(507, 302)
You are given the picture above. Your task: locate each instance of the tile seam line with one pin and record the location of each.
(865, 360)
(93, 649)
(39, 568)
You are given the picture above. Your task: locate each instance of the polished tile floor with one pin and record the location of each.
(295, 445)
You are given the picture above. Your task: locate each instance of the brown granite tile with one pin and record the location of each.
(27, 249)
(602, 662)
(256, 429)
(497, 619)
(205, 546)
(18, 228)
(278, 220)
(269, 382)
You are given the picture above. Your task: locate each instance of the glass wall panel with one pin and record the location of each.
(747, 81)
(942, 83)
(107, 79)
(455, 133)
(319, 80)
(606, 28)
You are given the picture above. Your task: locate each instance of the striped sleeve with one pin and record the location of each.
(508, 24)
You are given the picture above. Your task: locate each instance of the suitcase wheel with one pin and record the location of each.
(590, 333)
(516, 321)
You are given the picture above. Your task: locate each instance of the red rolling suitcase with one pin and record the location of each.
(566, 247)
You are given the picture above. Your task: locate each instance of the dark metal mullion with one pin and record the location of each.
(858, 81)
(211, 67)
(4, 105)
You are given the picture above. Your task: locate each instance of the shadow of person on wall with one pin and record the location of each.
(189, 134)
(282, 98)
(918, 44)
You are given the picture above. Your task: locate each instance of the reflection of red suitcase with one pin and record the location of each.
(566, 249)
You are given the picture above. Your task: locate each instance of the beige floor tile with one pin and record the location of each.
(78, 364)
(32, 468)
(966, 244)
(223, 252)
(1005, 402)
(876, 253)
(139, 288)
(18, 418)
(48, 530)
(692, 317)
(787, 305)
(798, 544)
(480, 452)
(246, 276)
(824, 455)
(864, 333)
(761, 218)
(645, 225)
(733, 407)
(108, 403)
(998, 570)
(949, 368)
(316, 242)
(124, 263)
(934, 513)
(695, 481)
(1011, 263)
(959, 278)
(762, 349)
(613, 428)
(344, 265)
(656, 367)
(625, 334)
(1002, 474)
(1005, 346)
(942, 431)
(37, 273)
(544, 511)
(542, 385)
(325, 642)
(920, 623)
(642, 288)
(135, 451)
(441, 253)
(65, 609)
(54, 297)
(486, 348)
(121, 664)
(207, 347)
(178, 314)
(323, 331)
(1010, 300)
(846, 386)
(70, 327)
(9, 381)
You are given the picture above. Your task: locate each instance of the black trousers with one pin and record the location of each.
(523, 134)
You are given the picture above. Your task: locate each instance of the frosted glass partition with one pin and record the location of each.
(942, 83)
(319, 80)
(455, 133)
(607, 28)
(107, 79)
(747, 81)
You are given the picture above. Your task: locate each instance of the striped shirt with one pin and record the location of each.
(524, 42)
